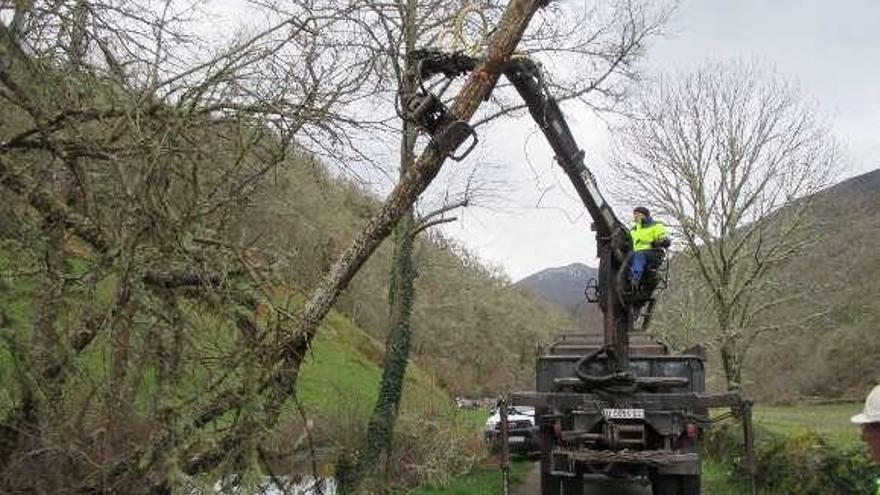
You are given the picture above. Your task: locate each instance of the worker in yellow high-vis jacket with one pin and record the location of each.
(648, 237)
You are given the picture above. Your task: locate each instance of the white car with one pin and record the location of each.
(522, 434)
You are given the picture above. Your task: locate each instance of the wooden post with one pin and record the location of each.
(505, 447)
(749, 440)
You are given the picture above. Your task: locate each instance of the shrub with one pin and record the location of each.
(801, 463)
(433, 450)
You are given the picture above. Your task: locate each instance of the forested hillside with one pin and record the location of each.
(163, 215)
(820, 339)
(835, 355)
(472, 327)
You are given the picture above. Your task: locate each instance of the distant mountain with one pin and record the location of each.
(562, 285)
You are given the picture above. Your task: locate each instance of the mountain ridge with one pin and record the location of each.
(561, 285)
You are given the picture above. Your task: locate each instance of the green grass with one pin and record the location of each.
(716, 480)
(16, 313)
(476, 417)
(342, 372)
(830, 421)
(333, 370)
(482, 480)
(340, 376)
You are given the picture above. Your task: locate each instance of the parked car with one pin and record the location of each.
(522, 435)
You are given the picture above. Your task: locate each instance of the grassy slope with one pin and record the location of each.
(830, 421)
(343, 372)
(343, 368)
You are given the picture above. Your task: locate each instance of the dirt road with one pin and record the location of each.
(532, 486)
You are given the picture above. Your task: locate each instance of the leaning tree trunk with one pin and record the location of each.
(280, 382)
(505, 38)
(414, 181)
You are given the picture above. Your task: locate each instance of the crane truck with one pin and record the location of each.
(610, 407)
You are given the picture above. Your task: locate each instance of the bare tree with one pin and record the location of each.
(601, 45)
(131, 153)
(731, 155)
(128, 157)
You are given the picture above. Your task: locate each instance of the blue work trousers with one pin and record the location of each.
(641, 261)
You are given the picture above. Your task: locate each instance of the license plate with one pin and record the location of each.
(624, 413)
(516, 439)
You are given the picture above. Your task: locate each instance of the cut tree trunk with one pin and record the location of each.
(280, 383)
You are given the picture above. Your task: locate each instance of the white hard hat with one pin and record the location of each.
(872, 409)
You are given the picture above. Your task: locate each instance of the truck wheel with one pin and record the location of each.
(550, 484)
(573, 486)
(664, 485)
(690, 485)
(675, 485)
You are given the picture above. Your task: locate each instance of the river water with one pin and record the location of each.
(280, 485)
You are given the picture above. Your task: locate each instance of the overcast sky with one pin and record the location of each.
(530, 219)
(830, 48)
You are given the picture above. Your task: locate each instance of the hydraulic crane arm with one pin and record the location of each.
(427, 111)
(526, 77)
(612, 237)
(613, 241)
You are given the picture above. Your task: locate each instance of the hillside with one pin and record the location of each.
(464, 312)
(837, 356)
(564, 286)
(822, 340)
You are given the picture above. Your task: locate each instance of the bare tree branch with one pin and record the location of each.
(733, 158)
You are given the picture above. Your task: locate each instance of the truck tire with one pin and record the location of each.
(690, 485)
(573, 486)
(675, 485)
(550, 485)
(664, 484)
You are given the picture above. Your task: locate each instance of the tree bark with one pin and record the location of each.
(280, 383)
(401, 296)
(732, 367)
(504, 40)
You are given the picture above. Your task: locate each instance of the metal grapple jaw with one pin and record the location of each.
(426, 109)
